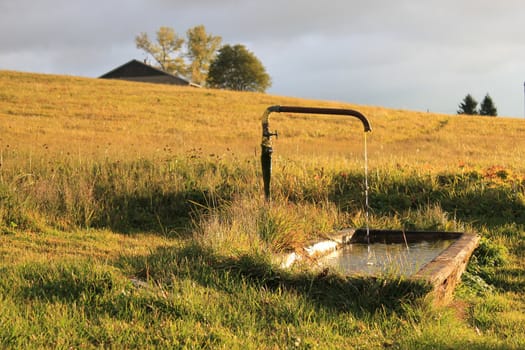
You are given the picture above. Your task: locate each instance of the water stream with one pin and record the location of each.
(367, 206)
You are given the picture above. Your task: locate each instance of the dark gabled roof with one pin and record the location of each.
(136, 69)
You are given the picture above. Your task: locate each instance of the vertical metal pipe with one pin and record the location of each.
(266, 152)
(266, 163)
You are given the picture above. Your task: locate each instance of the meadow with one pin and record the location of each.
(132, 215)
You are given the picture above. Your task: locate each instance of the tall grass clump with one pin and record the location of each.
(13, 213)
(253, 225)
(143, 194)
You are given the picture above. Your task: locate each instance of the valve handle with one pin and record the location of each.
(270, 134)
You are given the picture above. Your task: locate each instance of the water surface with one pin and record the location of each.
(382, 258)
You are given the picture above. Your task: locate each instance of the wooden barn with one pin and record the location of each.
(135, 70)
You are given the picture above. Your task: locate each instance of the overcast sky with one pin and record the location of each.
(417, 55)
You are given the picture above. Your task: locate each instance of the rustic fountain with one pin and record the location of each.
(437, 258)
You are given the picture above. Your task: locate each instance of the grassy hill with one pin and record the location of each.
(132, 215)
(97, 118)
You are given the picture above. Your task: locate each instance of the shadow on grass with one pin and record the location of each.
(469, 197)
(504, 278)
(327, 290)
(157, 212)
(66, 282)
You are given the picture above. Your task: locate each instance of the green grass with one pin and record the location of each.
(132, 216)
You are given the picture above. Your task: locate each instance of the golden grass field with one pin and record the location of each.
(49, 116)
(105, 183)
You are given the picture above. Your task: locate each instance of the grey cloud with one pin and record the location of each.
(61, 23)
(406, 54)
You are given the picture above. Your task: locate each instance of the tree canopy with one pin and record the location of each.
(232, 67)
(166, 49)
(201, 50)
(236, 68)
(487, 107)
(468, 106)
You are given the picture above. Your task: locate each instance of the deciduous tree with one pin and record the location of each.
(165, 50)
(236, 68)
(201, 50)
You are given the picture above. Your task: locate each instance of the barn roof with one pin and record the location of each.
(139, 71)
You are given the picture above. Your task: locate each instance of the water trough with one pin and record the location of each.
(444, 254)
(441, 267)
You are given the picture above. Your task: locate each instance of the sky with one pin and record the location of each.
(423, 55)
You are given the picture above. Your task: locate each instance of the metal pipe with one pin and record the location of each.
(266, 144)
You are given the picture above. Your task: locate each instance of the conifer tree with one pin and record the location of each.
(487, 107)
(468, 106)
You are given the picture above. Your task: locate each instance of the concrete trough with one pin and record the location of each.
(442, 273)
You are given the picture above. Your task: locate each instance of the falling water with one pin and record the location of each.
(367, 206)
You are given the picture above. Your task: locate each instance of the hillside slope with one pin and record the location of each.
(50, 115)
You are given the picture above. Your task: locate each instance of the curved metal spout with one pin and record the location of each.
(266, 144)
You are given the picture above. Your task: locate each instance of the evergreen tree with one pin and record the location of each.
(487, 107)
(468, 106)
(236, 68)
